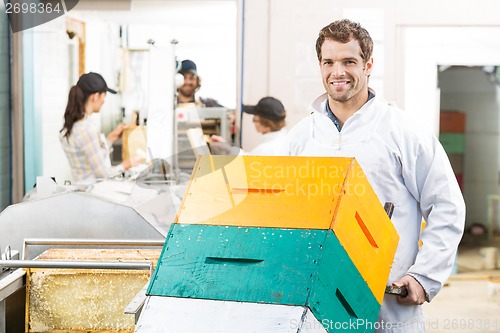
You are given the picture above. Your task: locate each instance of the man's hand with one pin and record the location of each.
(218, 145)
(416, 294)
(216, 138)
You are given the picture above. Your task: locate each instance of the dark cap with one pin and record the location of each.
(268, 107)
(188, 66)
(92, 83)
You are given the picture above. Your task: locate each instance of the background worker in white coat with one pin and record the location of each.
(405, 164)
(269, 120)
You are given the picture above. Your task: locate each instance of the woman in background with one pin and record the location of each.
(85, 146)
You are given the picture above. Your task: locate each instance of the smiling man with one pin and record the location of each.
(192, 83)
(405, 164)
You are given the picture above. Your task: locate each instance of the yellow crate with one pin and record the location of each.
(365, 231)
(279, 192)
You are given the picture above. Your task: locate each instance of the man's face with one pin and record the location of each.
(190, 84)
(343, 71)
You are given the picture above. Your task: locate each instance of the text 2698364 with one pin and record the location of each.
(33, 8)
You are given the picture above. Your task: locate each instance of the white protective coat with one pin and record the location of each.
(406, 165)
(271, 143)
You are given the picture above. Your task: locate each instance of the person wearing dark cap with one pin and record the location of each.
(85, 146)
(269, 119)
(192, 83)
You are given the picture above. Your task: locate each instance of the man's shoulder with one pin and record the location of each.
(392, 114)
(210, 103)
(302, 125)
(403, 126)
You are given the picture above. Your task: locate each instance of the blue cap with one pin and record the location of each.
(188, 66)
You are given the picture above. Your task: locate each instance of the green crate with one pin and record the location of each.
(264, 265)
(453, 143)
(340, 299)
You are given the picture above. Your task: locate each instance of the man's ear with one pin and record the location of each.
(368, 67)
(198, 83)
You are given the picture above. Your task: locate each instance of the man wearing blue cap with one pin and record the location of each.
(192, 82)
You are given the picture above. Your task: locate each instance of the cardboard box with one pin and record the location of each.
(452, 122)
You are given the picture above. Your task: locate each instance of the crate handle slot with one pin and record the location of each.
(345, 304)
(256, 190)
(365, 230)
(232, 261)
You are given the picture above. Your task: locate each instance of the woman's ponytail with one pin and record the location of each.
(75, 109)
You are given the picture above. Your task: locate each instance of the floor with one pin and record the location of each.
(470, 301)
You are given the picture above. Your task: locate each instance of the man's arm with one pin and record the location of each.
(431, 180)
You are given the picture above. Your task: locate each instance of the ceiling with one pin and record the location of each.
(124, 5)
(148, 11)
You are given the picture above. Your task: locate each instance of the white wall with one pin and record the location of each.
(103, 56)
(426, 48)
(51, 61)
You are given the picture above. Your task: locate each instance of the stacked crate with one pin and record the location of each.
(452, 137)
(299, 240)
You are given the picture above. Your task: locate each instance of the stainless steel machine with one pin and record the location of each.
(120, 212)
(12, 295)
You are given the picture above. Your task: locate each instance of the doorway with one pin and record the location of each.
(470, 133)
(428, 53)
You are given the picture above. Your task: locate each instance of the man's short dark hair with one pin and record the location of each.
(344, 31)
